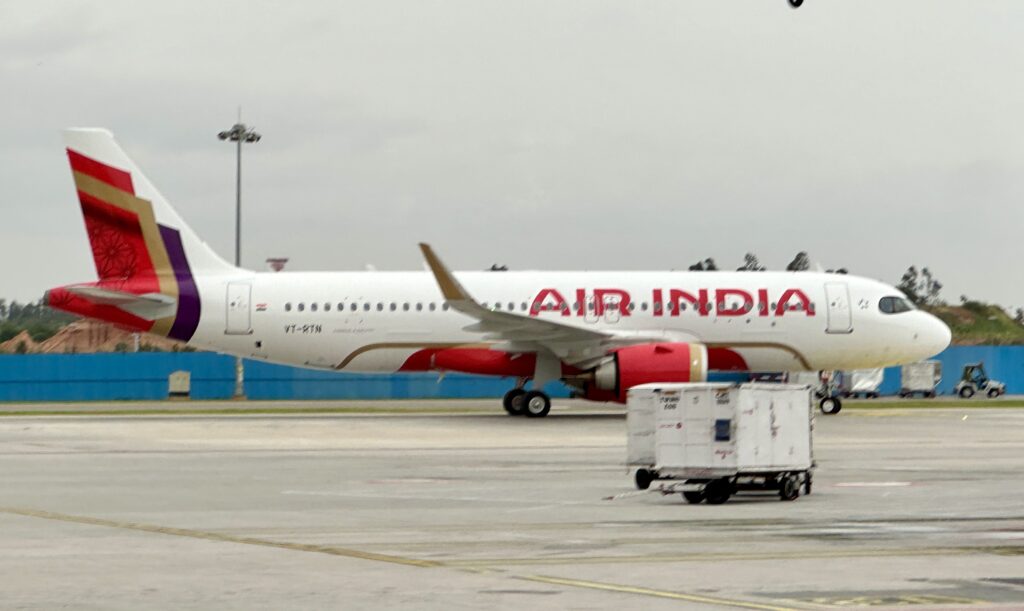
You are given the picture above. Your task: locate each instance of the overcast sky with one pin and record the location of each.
(543, 135)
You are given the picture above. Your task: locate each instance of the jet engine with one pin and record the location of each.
(643, 364)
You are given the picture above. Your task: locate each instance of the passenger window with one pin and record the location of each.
(327, 307)
(366, 306)
(393, 306)
(302, 307)
(312, 307)
(405, 307)
(523, 306)
(353, 307)
(288, 307)
(380, 307)
(431, 307)
(419, 307)
(444, 306)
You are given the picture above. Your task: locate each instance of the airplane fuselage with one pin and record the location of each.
(378, 321)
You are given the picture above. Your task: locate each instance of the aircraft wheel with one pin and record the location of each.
(966, 392)
(537, 404)
(830, 405)
(513, 402)
(796, 3)
(643, 479)
(807, 483)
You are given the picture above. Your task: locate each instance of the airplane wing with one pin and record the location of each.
(149, 306)
(571, 344)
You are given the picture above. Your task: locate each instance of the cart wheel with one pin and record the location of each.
(966, 392)
(694, 498)
(790, 488)
(993, 393)
(807, 483)
(643, 479)
(830, 405)
(718, 491)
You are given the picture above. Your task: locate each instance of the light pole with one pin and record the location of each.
(239, 133)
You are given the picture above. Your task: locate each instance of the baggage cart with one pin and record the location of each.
(714, 440)
(861, 382)
(920, 378)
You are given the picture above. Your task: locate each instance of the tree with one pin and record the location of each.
(751, 264)
(1018, 316)
(929, 288)
(908, 284)
(800, 263)
(921, 287)
(707, 265)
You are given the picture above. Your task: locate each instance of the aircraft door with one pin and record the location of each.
(840, 314)
(612, 309)
(239, 312)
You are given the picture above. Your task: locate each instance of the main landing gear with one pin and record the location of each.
(530, 403)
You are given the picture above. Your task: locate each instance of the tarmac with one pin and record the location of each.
(920, 508)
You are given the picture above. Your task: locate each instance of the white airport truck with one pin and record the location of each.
(709, 441)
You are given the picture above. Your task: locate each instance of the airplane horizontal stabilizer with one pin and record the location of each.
(149, 306)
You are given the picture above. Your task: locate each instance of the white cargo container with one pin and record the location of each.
(861, 382)
(920, 378)
(711, 440)
(640, 425)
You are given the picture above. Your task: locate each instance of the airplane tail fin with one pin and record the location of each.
(139, 244)
(132, 228)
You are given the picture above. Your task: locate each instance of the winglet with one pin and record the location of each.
(450, 287)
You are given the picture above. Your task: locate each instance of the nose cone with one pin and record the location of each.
(933, 336)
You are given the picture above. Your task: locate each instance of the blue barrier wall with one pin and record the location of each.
(1003, 363)
(121, 376)
(143, 375)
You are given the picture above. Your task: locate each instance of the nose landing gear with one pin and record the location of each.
(830, 405)
(795, 3)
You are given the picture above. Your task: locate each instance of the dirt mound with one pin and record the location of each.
(89, 336)
(12, 345)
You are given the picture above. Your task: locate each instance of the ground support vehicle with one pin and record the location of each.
(975, 381)
(711, 441)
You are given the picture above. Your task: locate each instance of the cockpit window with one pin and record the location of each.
(894, 305)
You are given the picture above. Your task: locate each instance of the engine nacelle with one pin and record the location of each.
(644, 364)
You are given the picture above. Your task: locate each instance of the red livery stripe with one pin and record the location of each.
(105, 173)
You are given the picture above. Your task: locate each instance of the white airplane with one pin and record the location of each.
(599, 332)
